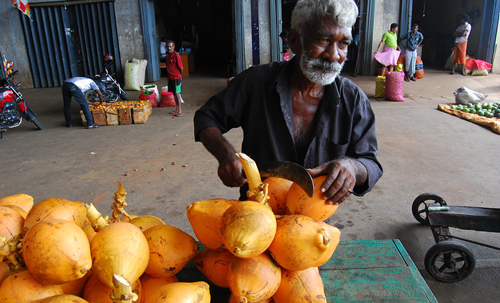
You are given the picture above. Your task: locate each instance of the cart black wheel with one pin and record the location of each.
(449, 261)
(420, 206)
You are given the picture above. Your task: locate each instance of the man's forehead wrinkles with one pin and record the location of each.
(325, 33)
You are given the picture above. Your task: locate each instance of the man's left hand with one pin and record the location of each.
(340, 180)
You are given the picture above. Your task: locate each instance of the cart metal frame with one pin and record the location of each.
(448, 260)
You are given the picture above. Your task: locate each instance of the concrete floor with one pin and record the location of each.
(421, 148)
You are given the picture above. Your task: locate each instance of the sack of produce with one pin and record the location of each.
(380, 87)
(149, 95)
(142, 69)
(464, 95)
(132, 74)
(394, 86)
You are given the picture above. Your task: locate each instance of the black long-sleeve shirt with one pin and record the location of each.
(259, 101)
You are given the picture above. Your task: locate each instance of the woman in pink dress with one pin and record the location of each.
(390, 54)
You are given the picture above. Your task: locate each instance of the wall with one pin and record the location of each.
(129, 26)
(390, 10)
(12, 44)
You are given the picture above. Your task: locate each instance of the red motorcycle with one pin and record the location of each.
(13, 108)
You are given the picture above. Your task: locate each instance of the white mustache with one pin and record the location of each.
(325, 65)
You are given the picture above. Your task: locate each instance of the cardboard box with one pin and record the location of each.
(112, 116)
(99, 116)
(125, 116)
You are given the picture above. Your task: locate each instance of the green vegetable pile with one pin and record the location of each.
(489, 110)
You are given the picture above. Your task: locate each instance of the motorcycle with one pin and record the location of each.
(13, 108)
(109, 87)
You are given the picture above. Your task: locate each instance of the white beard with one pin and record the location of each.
(320, 71)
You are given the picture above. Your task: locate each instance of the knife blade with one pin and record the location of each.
(290, 171)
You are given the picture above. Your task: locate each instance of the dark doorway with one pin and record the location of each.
(204, 26)
(438, 21)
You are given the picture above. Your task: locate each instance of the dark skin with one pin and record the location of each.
(327, 41)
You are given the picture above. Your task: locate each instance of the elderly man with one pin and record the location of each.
(300, 110)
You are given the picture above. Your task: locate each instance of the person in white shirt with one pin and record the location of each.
(461, 36)
(76, 87)
(163, 50)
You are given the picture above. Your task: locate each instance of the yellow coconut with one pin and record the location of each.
(305, 286)
(299, 203)
(334, 233)
(21, 211)
(96, 291)
(11, 223)
(56, 252)
(120, 255)
(56, 208)
(182, 292)
(253, 279)
(22, 287)
(205, 217)
(62, 299)
(76, 287)
(151, 284)
(299, 243)
(214, 264)
(277, 190)
(145, 222)
(247, 228)
(23, 201)
(170, 249)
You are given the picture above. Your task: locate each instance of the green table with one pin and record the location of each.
(359, 271)
(373, 271)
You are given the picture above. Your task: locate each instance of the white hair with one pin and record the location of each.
(307, 12)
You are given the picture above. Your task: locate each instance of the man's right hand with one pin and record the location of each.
(231, 172)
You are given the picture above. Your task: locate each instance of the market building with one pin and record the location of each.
(70, 38)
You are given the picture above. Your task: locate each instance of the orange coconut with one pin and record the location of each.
(299, 203)
(214, 263)
(182, 292)
(305, 286)
(22, 287)
(145, 222)
(205, 217)
(23, 201)
(151, 284)
(56, 252)
(11, 223)
(253, 279)
(77, 286)
(56, 208)
(96, 291)
(334, 233)
(299, 243)
(62, 299)
(170, 249)
(119, 249)
(247, 228)
(4, 271)
(277, 190)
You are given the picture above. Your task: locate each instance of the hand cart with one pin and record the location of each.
(449, 260)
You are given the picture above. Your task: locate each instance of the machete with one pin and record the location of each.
(290, 171)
